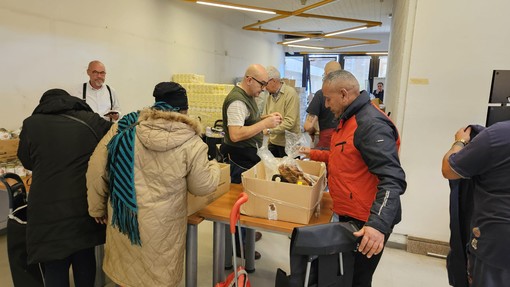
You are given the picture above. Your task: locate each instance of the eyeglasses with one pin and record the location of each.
(102, 73)
(262, 83)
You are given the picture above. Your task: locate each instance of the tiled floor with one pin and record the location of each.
(397, 268)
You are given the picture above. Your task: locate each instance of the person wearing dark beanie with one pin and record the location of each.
(171, 93)
(138, 179)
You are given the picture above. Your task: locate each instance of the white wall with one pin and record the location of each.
(48, 44)
(455, 47)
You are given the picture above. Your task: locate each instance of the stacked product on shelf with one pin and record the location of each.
(8, 148)
(204, 99)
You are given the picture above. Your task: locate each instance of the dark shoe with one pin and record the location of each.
(258, 236)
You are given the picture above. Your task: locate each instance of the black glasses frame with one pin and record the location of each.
(262, 83)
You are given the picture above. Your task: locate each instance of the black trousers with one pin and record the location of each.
(276, 150)
(83, 262)
(240, 160)
(364, 267)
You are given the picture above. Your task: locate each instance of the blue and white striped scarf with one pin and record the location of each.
(121, 174)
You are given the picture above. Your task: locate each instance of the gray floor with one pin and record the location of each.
(396, 269)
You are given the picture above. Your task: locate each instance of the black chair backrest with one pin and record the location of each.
(323, 239)
(323, 244)
(17, 192)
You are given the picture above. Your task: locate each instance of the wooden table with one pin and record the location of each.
(219, 212)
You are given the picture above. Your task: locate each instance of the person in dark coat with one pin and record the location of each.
(57, 148)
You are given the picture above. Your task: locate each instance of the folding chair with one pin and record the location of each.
(320, 255)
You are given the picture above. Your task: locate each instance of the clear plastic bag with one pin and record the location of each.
(270, 162)
(293, 142)
(287, 168)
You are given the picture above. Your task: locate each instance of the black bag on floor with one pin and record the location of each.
(23, 275)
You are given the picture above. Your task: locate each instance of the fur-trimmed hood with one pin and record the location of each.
(163, 130)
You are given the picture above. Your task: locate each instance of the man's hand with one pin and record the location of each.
(272, 120)
(372, 242)
(463, 134)
(309, 125)
(305, 151)
(101, 220)
(113, 116)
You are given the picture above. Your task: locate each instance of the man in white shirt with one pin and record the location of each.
(100, 97)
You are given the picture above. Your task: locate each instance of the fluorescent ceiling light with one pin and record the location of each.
(307, 47)
(296, 41)
(344, 31)
(236, 7)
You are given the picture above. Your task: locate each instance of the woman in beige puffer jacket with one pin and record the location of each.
(170, 159)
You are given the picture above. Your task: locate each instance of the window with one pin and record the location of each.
(307, 69)
(383, 65)
(359, 66)
(294, 69)
(317, 64)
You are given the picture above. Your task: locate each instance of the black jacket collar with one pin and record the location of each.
(362, 100)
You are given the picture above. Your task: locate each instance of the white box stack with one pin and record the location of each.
(205, 99)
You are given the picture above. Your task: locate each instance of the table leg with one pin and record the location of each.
(250, 250)
(218, 252)
(191, 255)
(100, 276)
(228, 247)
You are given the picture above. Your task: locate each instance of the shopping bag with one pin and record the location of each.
(242, 279)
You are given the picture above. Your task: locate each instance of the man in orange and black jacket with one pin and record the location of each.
(364, 172)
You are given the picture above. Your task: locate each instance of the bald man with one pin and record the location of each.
(243, 127)
(317, 112)
(242, 123)
(101, 98)
(365, 177)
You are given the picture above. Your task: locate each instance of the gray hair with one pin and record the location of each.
(343, 76)
(273, 72)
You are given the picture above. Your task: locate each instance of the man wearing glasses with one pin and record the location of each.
(100, 97)
(243, 124)
(283, 99)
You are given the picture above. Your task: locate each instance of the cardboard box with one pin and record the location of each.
(281, 200)
(195, 203)
(8, 150)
